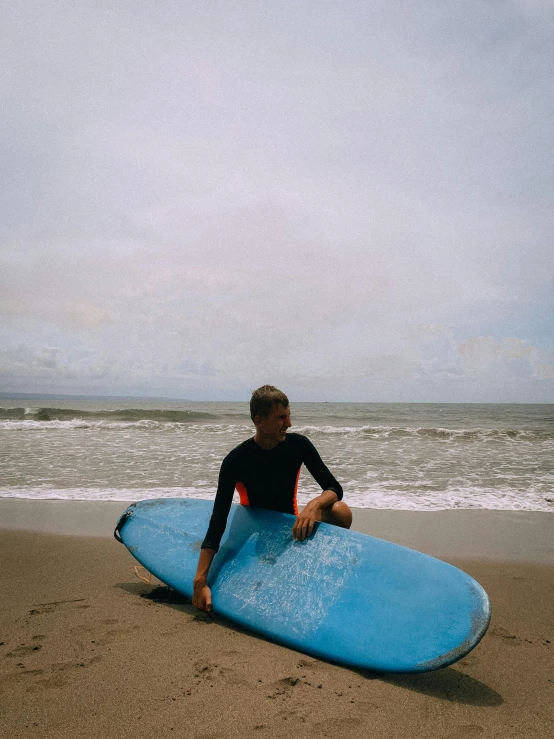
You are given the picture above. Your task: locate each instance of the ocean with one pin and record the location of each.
(386, 455)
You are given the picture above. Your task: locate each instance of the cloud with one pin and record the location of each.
(483, 355)
(349, 198)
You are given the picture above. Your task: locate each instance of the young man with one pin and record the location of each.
(265, 471)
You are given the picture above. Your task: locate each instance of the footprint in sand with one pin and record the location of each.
(23, 649)
(283, 688)
(60, 674)
(57, 678)
(504, 634)
(56, 681)
(307, 664)
(22, 675)
(209, 670)
(42, 608)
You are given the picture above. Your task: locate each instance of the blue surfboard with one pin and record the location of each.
(338, 595)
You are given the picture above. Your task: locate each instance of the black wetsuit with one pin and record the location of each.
(265, 478)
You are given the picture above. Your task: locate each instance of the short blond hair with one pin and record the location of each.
(264, 399)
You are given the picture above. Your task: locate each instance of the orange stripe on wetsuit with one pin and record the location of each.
(243, 493)
(294, 499)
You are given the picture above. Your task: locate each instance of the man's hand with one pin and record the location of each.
(304, 524)
(202, 597)
(313, 512)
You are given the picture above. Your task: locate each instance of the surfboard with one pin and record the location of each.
(339, 595)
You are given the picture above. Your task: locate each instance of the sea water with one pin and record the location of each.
(386, 455)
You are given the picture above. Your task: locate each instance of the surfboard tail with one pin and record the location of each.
(122, 521)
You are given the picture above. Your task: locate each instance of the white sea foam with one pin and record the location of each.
(149, 424)
(460, 499)
(105, 494)
(358, 434)
(435, 433)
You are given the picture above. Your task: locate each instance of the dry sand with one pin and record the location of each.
(88, 650)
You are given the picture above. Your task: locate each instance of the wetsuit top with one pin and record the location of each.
(265, 478)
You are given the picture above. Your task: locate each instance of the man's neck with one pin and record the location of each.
(264, 443)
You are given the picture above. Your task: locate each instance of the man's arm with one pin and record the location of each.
(319, 470)
(202, 596)
(311, 513)
(332, 492)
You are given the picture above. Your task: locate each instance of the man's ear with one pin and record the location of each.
(257, 421)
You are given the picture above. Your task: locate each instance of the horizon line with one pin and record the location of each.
(8, 395)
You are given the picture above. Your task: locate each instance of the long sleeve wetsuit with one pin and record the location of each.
(265, 478)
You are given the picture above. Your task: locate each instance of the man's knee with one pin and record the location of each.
(340, 515)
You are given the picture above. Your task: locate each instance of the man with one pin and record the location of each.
(265, 471)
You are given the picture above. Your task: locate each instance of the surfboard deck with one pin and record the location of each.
(338, 595)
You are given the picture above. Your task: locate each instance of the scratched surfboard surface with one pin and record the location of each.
(339, 595)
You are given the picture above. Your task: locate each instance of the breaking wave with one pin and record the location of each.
(204, 423)
(437, 433)
(127, 415)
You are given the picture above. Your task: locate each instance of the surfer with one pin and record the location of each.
(265, 471)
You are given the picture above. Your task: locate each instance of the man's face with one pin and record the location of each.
(273, 429)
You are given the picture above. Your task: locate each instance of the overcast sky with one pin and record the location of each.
(350, 200)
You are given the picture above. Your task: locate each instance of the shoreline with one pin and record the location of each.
(508, 536)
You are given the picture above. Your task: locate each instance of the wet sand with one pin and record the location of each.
(88, 650)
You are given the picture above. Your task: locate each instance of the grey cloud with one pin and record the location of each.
(196, 196)
(484, 354)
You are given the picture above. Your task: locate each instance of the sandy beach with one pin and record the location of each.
(88, 650)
